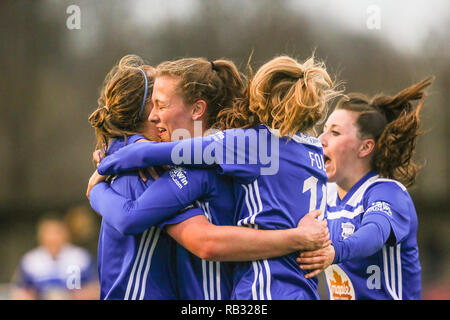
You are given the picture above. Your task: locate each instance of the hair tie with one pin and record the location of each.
(145, 92)
(213, 66)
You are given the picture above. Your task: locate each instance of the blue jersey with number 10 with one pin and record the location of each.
(276, 182)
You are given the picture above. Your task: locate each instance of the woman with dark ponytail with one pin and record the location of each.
(369, 145)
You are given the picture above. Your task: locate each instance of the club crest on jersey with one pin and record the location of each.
(178, 175)
(347, 229)
(339, 284)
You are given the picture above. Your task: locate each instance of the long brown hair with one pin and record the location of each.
(216, 82)
(284, 95)
(393, 122)
(119, 106)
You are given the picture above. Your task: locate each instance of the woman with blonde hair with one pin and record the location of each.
(369, 145)
(275, 163)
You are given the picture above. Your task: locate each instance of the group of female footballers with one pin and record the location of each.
(212, 185)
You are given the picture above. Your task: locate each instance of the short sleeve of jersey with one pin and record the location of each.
(391, 200)
(241, 173)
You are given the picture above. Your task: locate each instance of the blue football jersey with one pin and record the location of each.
(394, 271)
(276, 181)
(135, 266)
(197, 279)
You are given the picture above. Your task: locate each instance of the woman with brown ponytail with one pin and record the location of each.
(121, 119)
(368, 147)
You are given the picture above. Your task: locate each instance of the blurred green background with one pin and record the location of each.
(50, 76)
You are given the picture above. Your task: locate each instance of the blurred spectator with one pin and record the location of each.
(56, 269)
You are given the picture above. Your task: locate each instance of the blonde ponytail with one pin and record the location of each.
(283, 95)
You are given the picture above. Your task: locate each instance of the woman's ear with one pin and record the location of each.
(366, 148)
(198, 109)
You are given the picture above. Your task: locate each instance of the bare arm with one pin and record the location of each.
(231, 243)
